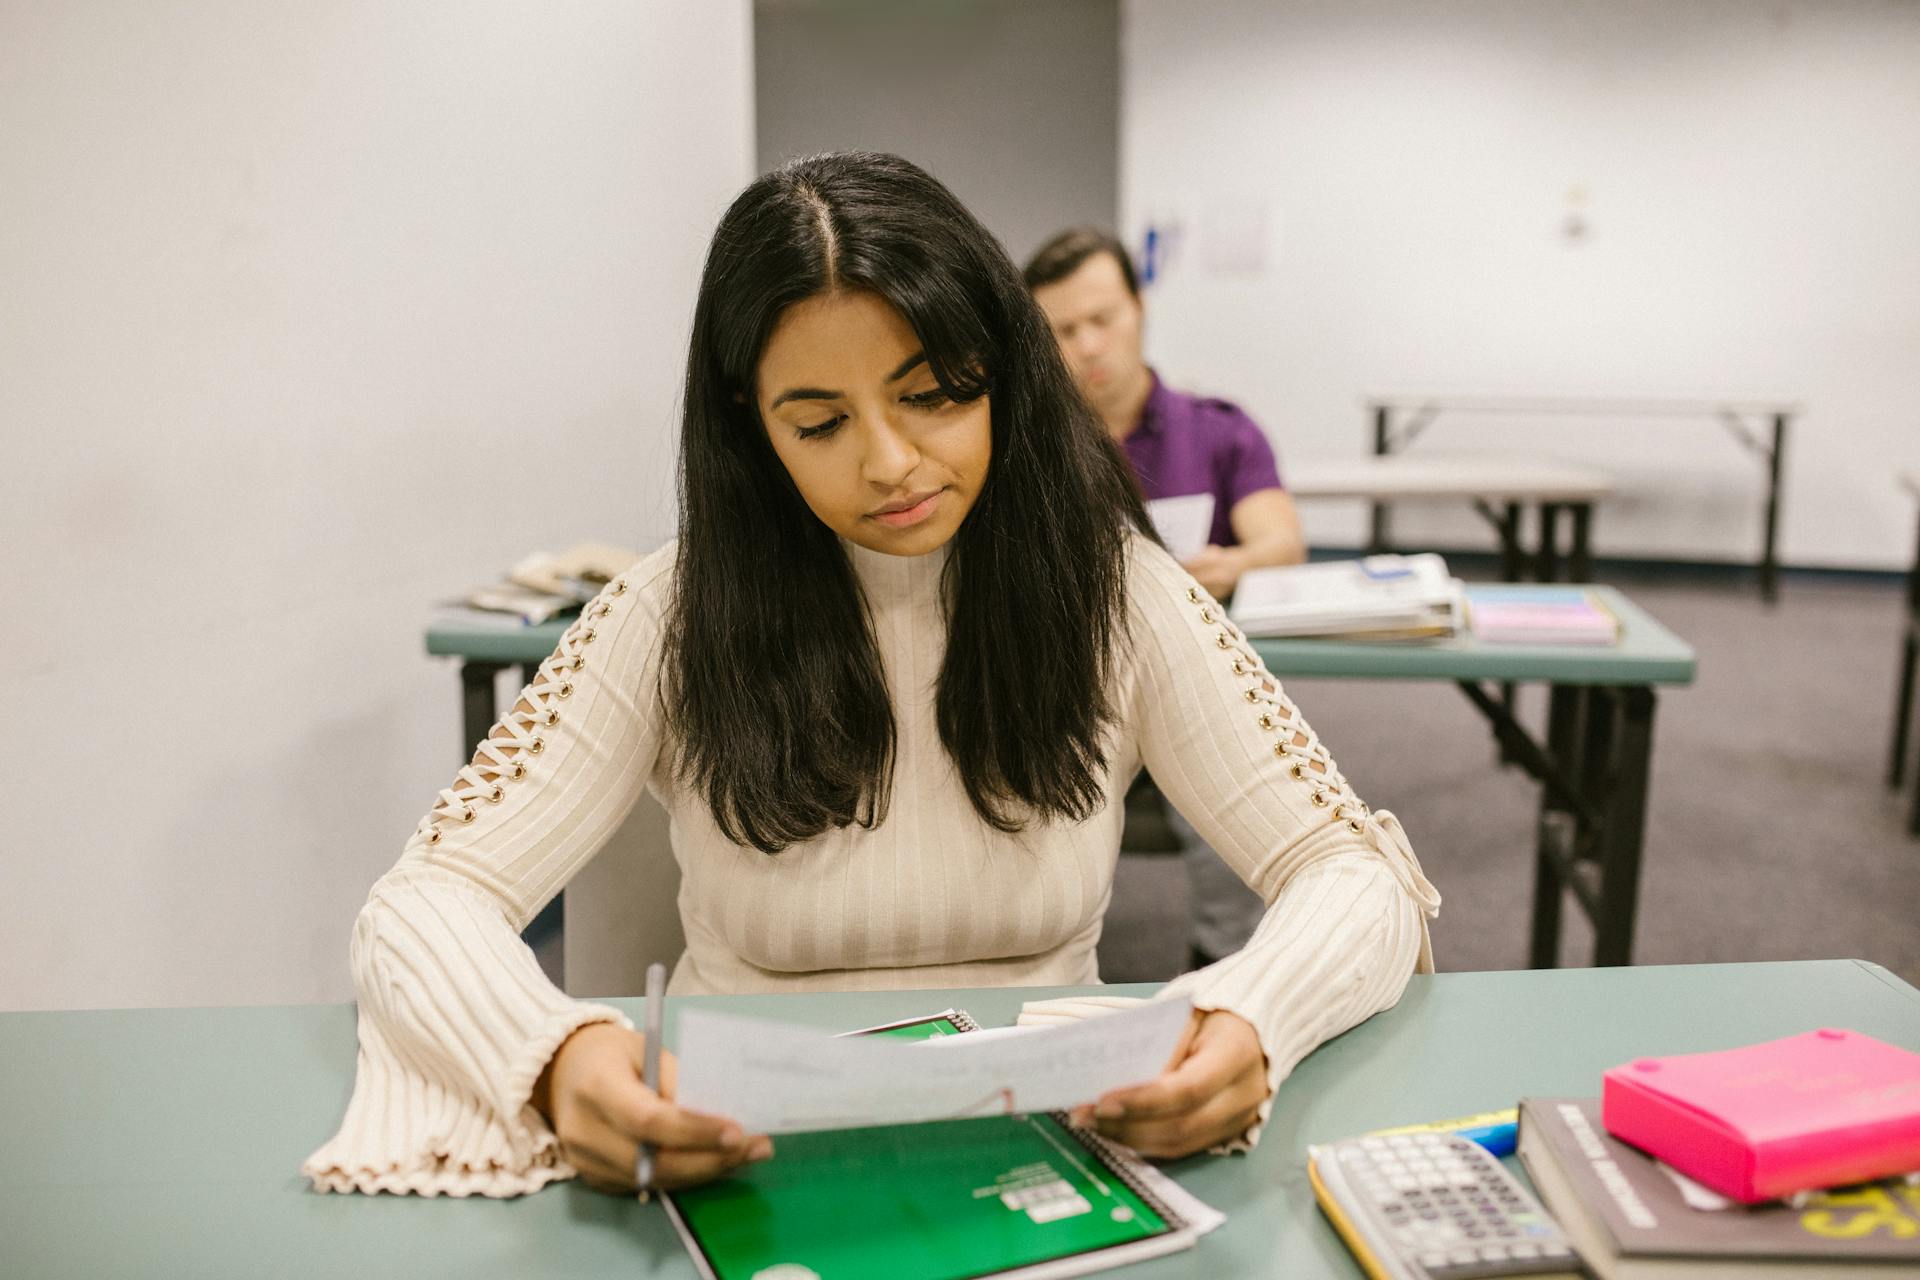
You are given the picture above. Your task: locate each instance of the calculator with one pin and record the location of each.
(1436, 1206)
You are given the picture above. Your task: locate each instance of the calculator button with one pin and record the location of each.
(1463, 1255)
(1554, 1249)
(1433, 1258)
(1523, 1251)
(1492, 1253)
(1372, 1144)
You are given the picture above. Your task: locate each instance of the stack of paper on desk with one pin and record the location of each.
(1379, 597)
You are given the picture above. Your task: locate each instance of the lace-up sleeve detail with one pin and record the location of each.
(1347, 904)
(456, 1020)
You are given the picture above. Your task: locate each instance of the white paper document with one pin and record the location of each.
(1185, 523)
(771, 1077)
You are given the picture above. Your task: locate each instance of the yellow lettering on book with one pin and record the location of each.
(1853, 1215)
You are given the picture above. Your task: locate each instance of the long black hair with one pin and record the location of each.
(772, 680)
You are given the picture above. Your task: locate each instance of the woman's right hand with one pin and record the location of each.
(592, 1096)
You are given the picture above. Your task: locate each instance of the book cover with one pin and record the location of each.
(1350, 598)
(1629, 1217)
(1823, 1109)
(1579, 618)
(1024, 1196)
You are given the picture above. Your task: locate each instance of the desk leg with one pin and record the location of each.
(1556, 821)
(1913, 814)
(1622, 839)
(1513, 556)
(1580, 555)
(478, 710)
(1909, 656)
(1377, 532)
(1546, 567)
(1903, 703)
(1769, 561)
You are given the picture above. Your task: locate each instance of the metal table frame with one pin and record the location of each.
(1398, 420)
(1909, 660)
(1592, 763)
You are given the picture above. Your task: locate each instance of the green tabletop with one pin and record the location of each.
(1648, 653)
(166, 1142)
(498, 644)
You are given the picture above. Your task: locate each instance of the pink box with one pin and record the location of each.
(1823, 1109)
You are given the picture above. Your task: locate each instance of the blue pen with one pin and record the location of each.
(1497, 1131)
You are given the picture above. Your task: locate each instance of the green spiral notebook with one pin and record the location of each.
(1024, 1196)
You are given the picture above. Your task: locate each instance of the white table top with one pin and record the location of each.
(1490, 476)
(1910, 480)
(1610, 406)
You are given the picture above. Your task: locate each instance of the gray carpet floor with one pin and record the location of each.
(1771, 832)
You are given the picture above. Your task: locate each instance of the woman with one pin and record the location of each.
(914, 641)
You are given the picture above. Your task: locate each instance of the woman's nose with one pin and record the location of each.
(890, 457)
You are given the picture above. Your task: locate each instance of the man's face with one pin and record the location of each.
(1098, 324)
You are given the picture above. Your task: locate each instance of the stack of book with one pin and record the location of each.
(1376, 598)
(1793, 1157)
(539, 588)
(1541, 615)
(1634, 1218)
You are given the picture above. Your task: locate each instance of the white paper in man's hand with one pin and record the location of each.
(771, 1077)
(1185, 523)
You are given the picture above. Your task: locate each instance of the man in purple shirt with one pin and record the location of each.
(1178, 443)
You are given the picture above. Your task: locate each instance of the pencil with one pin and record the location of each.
(650, 1069)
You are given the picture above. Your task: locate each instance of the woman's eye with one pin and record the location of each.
(926, 399)
(824, 428)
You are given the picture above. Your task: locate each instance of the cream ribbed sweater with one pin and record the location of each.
(456, 1019)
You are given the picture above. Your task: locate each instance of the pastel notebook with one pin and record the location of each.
(1543, 615)
(1004, 1196)
(1824, 1109)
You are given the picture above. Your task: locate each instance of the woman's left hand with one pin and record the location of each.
(1210, 1092)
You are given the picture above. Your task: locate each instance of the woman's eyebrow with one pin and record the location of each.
(912, 362)
(803, 393)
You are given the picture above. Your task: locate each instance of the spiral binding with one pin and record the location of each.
(1125, 1166)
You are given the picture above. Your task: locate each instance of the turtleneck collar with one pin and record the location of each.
(898, 579)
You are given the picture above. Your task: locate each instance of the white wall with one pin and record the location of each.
(313, 313)
(1371, 195)
(1014, 104)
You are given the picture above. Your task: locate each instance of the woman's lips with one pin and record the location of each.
(910, 516)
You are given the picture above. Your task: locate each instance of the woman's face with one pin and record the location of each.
(878, 452)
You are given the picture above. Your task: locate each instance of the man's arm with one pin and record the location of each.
(1268, 528)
